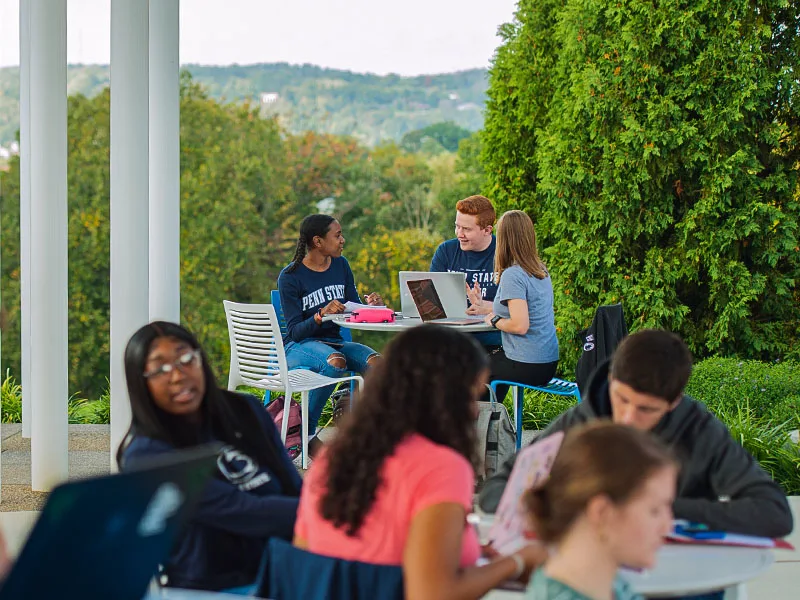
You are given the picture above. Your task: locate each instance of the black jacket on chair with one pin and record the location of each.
(599, 342)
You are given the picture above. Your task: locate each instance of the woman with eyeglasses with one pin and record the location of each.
(176, 403)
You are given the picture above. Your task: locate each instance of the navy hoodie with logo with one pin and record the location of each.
(242, 506)
(720, 483)
(304, 292)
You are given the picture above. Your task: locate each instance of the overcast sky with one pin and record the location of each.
(410, 37)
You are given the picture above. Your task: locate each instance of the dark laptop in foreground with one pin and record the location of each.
(103, 538)
(430, 307)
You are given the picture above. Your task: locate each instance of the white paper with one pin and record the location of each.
(351, 306)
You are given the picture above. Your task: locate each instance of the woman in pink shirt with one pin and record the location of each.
(396, 484)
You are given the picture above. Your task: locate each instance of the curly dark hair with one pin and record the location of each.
(425, 385)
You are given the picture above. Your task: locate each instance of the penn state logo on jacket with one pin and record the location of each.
(241, 470)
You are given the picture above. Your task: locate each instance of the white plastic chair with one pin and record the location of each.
(259, 360)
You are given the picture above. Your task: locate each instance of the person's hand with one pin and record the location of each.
(479, 309)
(534, 555)
(488, 318)
(475, 294)
(488, 551)
(334, 307)
(374, 299)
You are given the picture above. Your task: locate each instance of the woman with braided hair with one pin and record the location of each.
(316, 283)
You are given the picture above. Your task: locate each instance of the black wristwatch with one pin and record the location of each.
(494, 320)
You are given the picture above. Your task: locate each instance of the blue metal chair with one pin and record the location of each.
(347, 335)
(557, 387)
(295, 574)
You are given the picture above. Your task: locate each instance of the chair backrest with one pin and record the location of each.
(334, 578)
(275, 298)
(257, 355)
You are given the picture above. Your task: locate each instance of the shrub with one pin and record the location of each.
(656, 147)
(770, 390)
(11, 398)
(770, 444)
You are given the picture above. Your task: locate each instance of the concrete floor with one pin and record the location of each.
(88, 456)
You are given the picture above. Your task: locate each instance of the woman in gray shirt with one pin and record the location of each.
(522, 308)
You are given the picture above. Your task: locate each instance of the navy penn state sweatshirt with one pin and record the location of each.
(241, 508)
(304, 292)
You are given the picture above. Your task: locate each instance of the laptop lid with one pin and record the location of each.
(104, 537)
(427, 300)
(451, 287)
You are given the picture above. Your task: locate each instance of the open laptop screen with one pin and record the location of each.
(104, 537)
(427, 299)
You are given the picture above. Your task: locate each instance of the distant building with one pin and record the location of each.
(5, 152)
(269, 97)
(14, 147)
(452, 96)
(468, 106)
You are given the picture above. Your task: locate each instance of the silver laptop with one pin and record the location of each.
(429, 306)
(451, 288)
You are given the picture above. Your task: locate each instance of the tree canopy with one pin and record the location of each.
(656, 145)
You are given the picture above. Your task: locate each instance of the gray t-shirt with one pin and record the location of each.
(540, 343)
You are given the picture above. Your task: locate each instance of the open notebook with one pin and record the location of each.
(511, 528)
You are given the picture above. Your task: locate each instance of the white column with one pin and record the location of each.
(48, 274)
(165, 201)
(129, 188)
(25, 208)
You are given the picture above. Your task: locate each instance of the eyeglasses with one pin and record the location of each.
(186, 360)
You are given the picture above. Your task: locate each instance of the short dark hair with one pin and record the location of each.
(654, 362)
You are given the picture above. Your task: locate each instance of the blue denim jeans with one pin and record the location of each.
(313, 354)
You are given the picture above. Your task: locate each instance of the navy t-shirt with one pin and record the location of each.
(478, 266)
(304, 292)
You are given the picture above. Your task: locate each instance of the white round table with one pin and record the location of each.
(685, 569)
(402, 324)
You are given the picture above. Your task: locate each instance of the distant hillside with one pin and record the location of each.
(370, 107)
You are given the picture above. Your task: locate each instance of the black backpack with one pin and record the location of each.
(599, 341)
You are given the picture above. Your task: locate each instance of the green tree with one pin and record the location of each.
(470, 175)
(234, 178)
(656, 146)
(436, 138)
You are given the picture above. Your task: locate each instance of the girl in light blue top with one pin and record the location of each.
(607, 504)
(522, 308)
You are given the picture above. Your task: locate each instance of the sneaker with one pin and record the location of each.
(341, 404)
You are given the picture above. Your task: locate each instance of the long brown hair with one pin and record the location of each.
(596, 459)
(516, 245)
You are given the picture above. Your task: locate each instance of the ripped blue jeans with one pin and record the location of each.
(313, 354)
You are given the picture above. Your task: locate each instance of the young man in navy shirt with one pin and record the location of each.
(472, 252)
